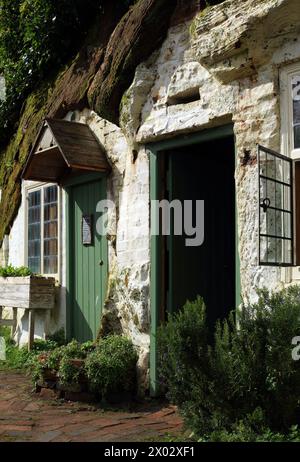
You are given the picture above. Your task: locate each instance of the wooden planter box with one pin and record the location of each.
(29, 293)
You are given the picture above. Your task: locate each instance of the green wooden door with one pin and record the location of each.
(88, 258)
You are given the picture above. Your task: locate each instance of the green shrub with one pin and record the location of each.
(247, 375)
(58, 360)
(37, 37)
(21, 358)
(16, 358)
(109, 366)
(6, 333)
(59, 337)
(11, 271)
(69, 372)
(182, 352)
(112, 366)
(243, 433)
(40, 345)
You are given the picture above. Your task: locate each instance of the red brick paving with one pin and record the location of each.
(24, 416)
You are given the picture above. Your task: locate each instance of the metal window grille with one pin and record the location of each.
(276, 236)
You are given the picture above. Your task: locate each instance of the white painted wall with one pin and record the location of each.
(45, 322)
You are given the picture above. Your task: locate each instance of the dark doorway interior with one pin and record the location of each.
(204, 171)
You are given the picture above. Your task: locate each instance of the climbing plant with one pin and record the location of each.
(94, 73)
(36, 38)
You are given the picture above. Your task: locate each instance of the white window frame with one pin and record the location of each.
(287, 142)
(39, 186)
(287, 132)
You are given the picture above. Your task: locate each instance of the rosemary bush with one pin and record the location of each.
(247, 376)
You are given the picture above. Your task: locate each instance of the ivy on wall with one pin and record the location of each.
(95, 76)
(36, 38)
(62, 55)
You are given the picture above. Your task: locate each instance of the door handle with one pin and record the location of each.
(101, 262)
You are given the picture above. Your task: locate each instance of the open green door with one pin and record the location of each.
(87, 261)
(205, 172)
(194, 167)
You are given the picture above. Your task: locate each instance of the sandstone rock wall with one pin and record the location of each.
(221, 67)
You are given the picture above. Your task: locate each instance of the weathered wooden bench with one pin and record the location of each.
(30, 293)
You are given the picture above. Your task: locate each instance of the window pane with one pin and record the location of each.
(34, 264)
(287, 253)
(278, 195)
(271, 166)
(263, 163)
(287, 225)
(270, 217)
(50, 194)
(271, 250)
(287, 198)
(286, 172)
(50, 230)
(297, 136)
(279, 223)
(276, 232)
(50, 211)
(296, 109)
(34, 231)
(270, 192)
(263, 257)
(50, 265)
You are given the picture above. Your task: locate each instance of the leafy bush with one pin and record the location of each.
(59, 337)
(6, 333)
(243, 433)
(11, 271)
(183, 351)
(59, 361)
(36, 38)
(21, 358)
(17, 358)
(43, 345)
(247, 375)
(70, 370)
(109, 366)
(112, 366)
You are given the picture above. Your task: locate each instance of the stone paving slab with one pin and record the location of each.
(24, 416)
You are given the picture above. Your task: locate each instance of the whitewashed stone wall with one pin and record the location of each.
(228, 60)
(231, 54)
(15, 248)
(128, 239)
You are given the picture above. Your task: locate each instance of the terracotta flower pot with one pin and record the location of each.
(78, 363)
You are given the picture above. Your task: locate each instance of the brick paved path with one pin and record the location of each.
(26, 417)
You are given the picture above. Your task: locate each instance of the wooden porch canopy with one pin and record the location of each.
(62, 148)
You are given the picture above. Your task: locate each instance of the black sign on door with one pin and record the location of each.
(87, 229)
